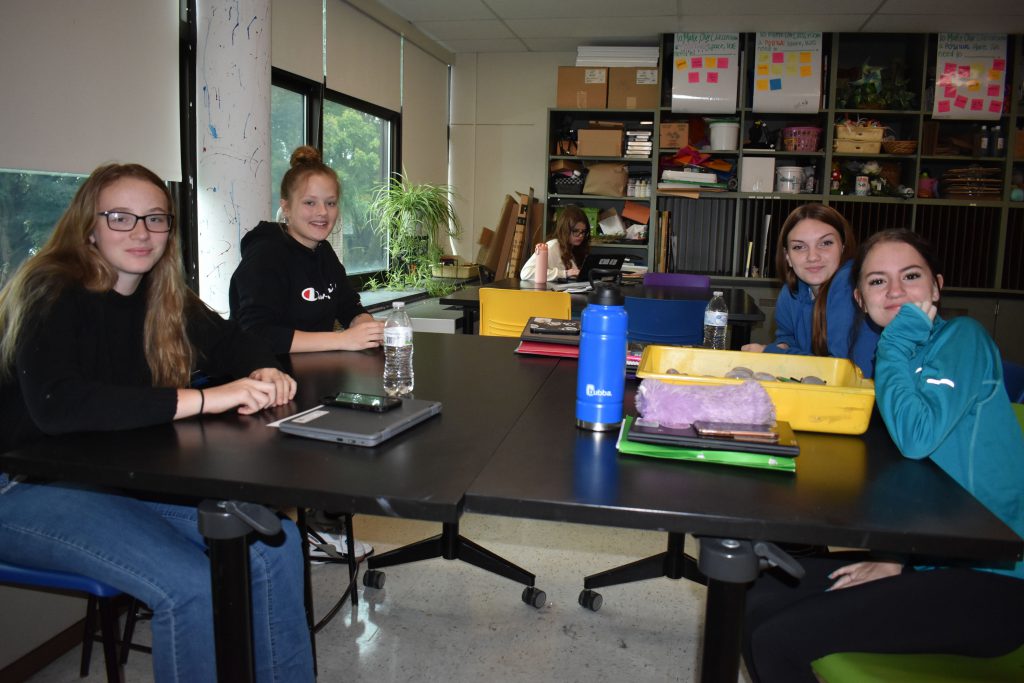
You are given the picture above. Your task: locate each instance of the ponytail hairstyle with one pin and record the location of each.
(305, 162)
(567, 220)
(831, 217)
(69, 258)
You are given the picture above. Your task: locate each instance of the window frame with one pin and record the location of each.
(316, 95)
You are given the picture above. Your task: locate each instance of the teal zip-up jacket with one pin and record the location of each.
(940, 391)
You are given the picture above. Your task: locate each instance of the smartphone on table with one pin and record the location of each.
(737, 431)
(371, 402)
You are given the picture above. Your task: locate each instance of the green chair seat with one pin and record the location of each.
(863, 667)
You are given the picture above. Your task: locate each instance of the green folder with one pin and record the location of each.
(762, 461)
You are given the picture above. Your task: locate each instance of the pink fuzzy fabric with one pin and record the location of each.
(677, 405)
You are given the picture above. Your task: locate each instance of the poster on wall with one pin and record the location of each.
(705, 73)
(787, 72)
(970, 76)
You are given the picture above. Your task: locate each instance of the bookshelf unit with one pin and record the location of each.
(979, 239)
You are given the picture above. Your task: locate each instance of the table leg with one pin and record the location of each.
(723, 629)
(468, 320)
(226, 526)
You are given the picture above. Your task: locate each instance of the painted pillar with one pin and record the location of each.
(233, 124)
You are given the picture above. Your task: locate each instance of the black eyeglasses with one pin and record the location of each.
(579, 233)
(122, 221)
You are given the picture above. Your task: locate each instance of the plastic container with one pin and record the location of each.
(725, 135)
(840, 406)
(801, 138)
(716, 322)
(601, 372)
(399, 378)
(790, 179)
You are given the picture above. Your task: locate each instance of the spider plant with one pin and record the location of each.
(413, 219)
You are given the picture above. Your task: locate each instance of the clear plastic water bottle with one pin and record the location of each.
(716, 319)
(398, 372)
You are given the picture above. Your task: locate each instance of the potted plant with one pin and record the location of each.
(413, 219)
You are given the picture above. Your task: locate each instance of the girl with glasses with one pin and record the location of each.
(99, 332)
(815, 313)
(569, 248)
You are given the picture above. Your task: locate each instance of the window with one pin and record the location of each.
(30, 204)
(360, 142)
(358, 145)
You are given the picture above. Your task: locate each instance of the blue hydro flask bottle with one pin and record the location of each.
(601, 377)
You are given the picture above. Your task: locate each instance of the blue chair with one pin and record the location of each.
(1013, 378)
(100, 598)
(665, 321)
(677, 280)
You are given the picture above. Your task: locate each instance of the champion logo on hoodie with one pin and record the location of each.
(310, 294)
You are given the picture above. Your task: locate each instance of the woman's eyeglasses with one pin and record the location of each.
(579, 233)
(122, 221)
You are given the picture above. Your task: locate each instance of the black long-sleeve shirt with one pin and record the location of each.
(81, 366)
(281, 286)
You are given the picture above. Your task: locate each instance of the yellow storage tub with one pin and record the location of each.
(840, 406)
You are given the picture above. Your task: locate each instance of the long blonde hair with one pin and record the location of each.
(69, 258)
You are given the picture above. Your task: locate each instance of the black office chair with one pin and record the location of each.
(450, 545)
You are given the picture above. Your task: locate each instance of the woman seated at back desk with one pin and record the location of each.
(569, 248)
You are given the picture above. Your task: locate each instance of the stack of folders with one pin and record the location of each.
(559, 337)
(638, 144)
(689, 180)
(652, 440)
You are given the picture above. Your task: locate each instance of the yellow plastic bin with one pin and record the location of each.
(840, 406)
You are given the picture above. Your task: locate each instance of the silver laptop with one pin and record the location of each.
(359, 427)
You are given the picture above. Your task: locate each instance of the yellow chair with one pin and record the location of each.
(504, 312)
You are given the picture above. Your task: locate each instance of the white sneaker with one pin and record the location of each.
(335, 546)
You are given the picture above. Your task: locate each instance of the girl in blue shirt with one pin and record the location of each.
(939, 388)
(815, 312)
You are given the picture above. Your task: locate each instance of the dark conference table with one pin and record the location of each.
(420, 474)
(848, 491)
(743, 310)
(505, 444)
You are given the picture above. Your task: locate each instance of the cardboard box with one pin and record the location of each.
(559, 165)
(674, 135)
(757, 174)
(599, 142)
(633, 88)
(582, 87)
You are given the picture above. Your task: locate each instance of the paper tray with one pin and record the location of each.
(841, 406)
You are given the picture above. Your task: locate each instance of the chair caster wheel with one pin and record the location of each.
(534, 597)
(373, 578)
(592, 600)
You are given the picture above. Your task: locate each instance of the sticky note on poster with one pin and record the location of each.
(794, 63)
(706, 75)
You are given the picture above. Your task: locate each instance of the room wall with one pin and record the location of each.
(498, 133)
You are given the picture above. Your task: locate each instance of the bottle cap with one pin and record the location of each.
(397, 304)
(717, 293)
(606, 294)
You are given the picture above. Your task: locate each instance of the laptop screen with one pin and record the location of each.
(603, 261)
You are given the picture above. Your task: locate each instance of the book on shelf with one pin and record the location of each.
(669, 175)
(684, 185)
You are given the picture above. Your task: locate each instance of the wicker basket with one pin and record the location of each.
(899, 146)
(801, 138)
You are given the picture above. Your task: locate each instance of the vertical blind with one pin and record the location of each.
(89, 82)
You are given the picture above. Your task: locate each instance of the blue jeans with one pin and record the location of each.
(154, 552)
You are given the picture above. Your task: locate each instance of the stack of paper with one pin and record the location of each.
(603, 55)
(688, 180)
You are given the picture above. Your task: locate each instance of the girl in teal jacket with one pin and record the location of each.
(940, 391)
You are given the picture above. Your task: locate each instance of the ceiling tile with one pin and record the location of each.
(465, 30)
(788, 8)
(898, 23)
(586, 27)
(733, 23)
(425, 10)
(473, 45)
